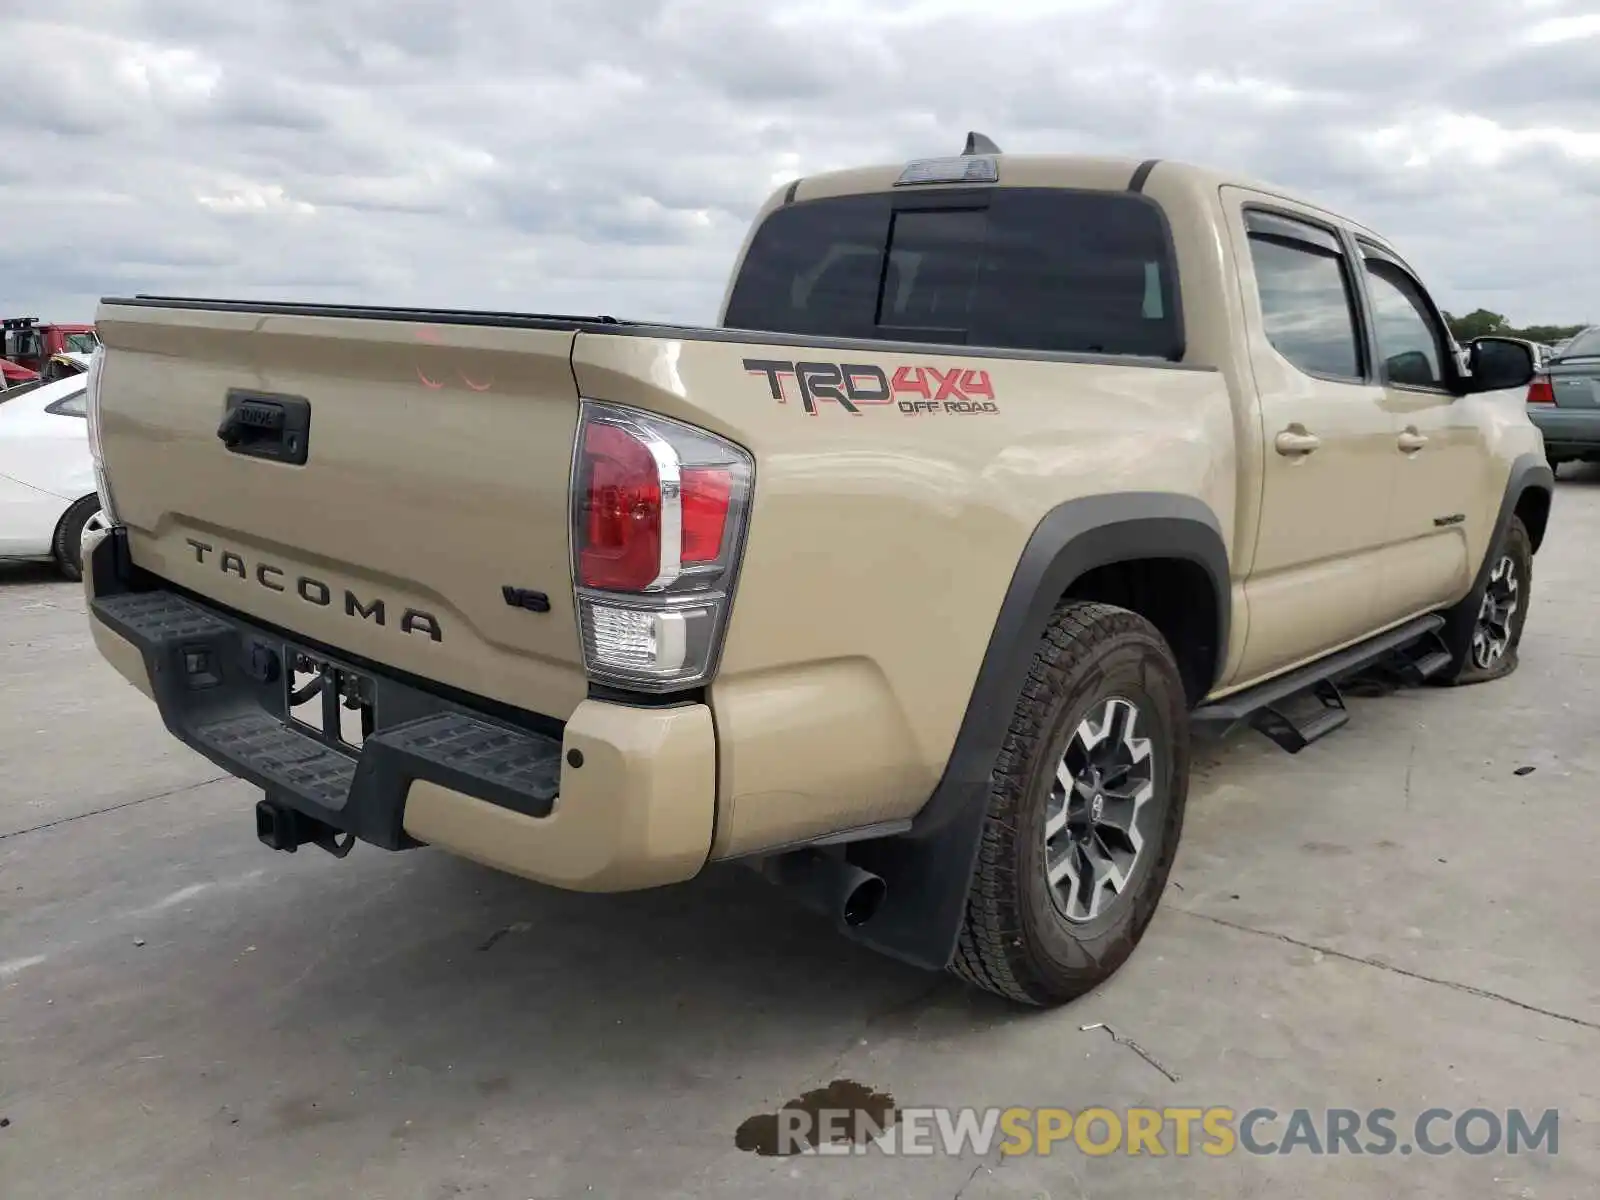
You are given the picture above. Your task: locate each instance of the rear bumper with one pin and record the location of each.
(1567, 431)
(618, 798)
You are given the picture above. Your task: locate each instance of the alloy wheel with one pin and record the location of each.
(1491, 635)
(1094, 822)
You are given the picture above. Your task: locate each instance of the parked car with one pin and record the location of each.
(47, 491)
(1564, 400)
(905, 585)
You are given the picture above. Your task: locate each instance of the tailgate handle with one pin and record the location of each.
(263, 425)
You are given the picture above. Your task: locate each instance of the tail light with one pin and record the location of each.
(1540, 391)
(658, 521)
(102, 484)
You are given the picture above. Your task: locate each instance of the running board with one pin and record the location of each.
(1300, 706)
(1421, 661)
(1298, 720)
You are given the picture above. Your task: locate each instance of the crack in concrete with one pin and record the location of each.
(962, 1190)
(1453, 985)
(110, 808)
(1135, 1047)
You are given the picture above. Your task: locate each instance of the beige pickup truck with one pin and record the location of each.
(906, 583)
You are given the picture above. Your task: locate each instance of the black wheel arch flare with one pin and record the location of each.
(928, 869)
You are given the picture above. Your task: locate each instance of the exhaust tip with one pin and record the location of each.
(827, 883)
(864, 900)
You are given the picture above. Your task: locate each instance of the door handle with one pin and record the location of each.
(1411, 441)
(1295, 441)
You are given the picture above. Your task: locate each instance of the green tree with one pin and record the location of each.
(1483, 323)
(1478, 323)
(1550, 333)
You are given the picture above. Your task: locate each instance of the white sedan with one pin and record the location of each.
(47, 494)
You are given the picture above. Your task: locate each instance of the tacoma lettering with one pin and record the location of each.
(316, 591)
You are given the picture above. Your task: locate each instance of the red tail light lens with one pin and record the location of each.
(1540, 391)
(621, 548)
(658, 516)
(706, 493)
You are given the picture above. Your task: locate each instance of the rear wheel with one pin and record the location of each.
(83, 517)
(1488, 648)
(1085, 810)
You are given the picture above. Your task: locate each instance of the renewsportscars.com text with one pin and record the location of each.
(1210, 1132)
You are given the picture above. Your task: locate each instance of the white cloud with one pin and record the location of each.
(551, 156)
(1565, 29)
(246, 197)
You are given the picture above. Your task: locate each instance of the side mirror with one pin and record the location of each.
(1499, 364)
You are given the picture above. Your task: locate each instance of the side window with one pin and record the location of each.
(75, 405)
(1410, 344)
(1306, 299)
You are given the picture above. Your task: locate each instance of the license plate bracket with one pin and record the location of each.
(334, 703)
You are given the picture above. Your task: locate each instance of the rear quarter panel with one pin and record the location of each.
(882, 542)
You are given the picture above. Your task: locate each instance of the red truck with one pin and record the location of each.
(30, 345)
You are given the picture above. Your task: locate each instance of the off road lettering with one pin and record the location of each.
(853, 386)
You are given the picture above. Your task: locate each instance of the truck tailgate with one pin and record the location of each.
(436, 470)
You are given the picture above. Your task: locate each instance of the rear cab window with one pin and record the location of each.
(1028, 269)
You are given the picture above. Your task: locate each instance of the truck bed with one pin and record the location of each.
(439, 458)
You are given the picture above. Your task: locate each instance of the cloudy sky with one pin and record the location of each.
(551, 155)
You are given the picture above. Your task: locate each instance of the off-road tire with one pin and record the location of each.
(67, 548)
(1516, 545)
(1015, 941)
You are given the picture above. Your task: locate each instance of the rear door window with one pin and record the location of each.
(1308, 305)
(1011, 268)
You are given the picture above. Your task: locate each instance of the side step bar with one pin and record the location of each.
(1300, 706)
(1298, 720)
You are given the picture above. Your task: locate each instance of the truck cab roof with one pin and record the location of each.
(1074, 171)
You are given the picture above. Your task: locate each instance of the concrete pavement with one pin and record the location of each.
(1394, 919)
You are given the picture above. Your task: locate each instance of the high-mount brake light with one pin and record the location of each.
(975, 164)
(949, 170)
(658, 517)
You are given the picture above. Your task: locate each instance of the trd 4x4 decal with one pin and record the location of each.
(854, 386)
